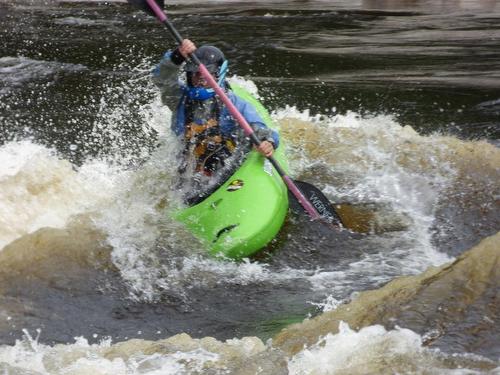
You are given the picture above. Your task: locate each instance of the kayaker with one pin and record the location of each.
(209, 132)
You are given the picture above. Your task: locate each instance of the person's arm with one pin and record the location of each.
(268, 137)
(166, 76)
(166, 73)
(265, 134)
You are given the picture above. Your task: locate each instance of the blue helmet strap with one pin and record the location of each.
(222, 72)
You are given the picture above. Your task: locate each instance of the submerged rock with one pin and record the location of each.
(459, 298)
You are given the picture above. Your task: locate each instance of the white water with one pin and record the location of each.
(37, 189)
(40, 189)
(373, 349)
(373, 152)
(83, 358)
(123, 202)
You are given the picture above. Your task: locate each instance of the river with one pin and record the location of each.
(389, 106)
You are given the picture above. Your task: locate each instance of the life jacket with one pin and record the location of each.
(203, 137)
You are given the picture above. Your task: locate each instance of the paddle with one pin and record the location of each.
(315, 203)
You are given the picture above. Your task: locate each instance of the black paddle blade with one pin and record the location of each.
(143, 4)
(318, 200)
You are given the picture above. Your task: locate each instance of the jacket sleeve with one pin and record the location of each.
(250, 114)
(166, 76)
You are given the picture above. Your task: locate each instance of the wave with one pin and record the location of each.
(17, 72)
(438, 303)
(409, 183)
(345, 341)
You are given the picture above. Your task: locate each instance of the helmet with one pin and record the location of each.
(216, 64)
(210, 56)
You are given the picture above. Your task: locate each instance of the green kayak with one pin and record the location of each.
(247, 211)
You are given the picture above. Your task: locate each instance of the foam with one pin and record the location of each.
(374, 350)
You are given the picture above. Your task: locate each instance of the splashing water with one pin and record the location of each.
(372, 349)
(375, 350)
(373, 159)
(38, 189)
(125, 201)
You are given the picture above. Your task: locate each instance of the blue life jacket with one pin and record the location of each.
(226, 122)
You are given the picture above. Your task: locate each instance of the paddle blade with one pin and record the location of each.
(318, 200)
(143, 4)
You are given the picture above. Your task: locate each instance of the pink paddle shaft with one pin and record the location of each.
(157, 10)
(249, 132)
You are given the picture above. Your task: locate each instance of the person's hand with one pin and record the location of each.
(266, 148)
(186, 48)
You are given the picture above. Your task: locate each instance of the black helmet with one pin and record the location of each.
(210, 56)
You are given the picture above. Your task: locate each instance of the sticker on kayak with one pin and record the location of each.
(268, 167)
(235, 185)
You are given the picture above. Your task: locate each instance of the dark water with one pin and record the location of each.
(74, 77)
(434, 71)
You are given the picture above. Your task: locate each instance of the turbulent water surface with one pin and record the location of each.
(392, 107)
